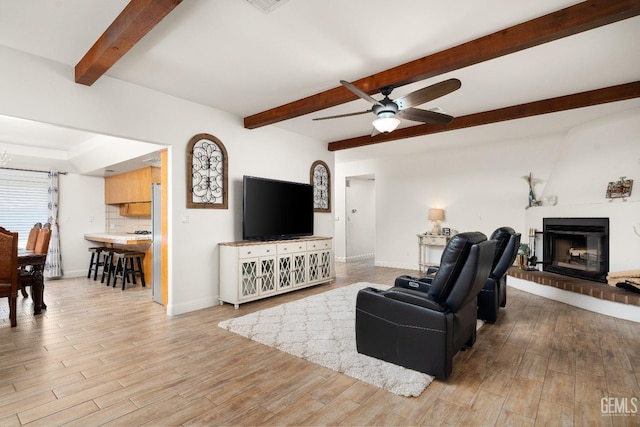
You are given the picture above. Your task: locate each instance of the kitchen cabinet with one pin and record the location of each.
(142, 209)
(131, 187)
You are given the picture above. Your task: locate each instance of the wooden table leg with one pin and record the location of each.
(37, 290)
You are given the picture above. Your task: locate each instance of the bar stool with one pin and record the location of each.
(128, 263)
(97, 260)
(109, 266)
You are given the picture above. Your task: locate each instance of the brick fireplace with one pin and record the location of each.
(576, 262)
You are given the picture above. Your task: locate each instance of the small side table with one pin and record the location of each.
(425, 241)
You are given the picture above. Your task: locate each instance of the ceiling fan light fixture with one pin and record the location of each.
(386, 124)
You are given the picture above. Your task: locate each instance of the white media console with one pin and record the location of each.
(251, 270)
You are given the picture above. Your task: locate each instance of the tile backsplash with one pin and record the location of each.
(116, 223)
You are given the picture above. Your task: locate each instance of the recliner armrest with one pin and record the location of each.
(413, 297)
(407, 282)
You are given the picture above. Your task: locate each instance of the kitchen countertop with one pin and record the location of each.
(119, 238)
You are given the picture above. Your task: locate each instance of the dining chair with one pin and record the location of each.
(41, 247)
(42, 242)
(9, 271)
(31, 245)
(33, 235)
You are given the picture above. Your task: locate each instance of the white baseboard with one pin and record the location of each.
(176, 309)
(407, 266)
(76, 273)
(355, 258)
(597, 305)
(360, 257)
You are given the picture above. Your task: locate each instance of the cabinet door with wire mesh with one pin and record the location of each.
(249, 275)
(267, 275)
(299, 271)
(285, 267)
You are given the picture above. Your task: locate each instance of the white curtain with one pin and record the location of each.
(53, 267)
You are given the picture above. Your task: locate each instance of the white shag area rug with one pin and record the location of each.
(321, 329)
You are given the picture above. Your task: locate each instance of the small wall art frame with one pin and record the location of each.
(320, 178)
(619, 189)
(207, 173)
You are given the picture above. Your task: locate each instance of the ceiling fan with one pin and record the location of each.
(388, 110)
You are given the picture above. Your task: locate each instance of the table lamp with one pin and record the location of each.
(436, 215)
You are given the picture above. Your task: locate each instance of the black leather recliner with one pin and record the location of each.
(424, 330)
(494, 293)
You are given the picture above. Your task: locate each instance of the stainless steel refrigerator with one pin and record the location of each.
(156, 248)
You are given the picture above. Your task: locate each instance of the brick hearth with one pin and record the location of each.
(581, 286)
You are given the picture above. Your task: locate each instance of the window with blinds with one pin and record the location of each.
(23, 201)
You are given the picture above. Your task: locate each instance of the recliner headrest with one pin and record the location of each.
(505, 259)
(473, 275)
(501, 236)
(453, 259)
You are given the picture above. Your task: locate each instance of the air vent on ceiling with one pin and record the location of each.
(266, 6)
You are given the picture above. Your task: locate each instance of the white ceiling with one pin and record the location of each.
(231, 56)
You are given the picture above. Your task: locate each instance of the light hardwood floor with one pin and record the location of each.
(102, 356)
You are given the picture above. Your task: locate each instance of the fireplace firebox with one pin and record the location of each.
(577, 247)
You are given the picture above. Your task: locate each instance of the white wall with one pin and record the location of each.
(81, 201)
(480, 187)
(38, 89)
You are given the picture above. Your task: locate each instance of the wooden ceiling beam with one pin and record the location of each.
(134, 22)
(572, 20)
(553, 105)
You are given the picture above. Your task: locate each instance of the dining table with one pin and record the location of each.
(36, 261)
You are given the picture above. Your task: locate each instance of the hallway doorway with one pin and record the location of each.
(360, 217)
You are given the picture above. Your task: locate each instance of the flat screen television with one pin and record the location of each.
(274, 210)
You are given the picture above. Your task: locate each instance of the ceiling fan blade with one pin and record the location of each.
(425, 116)
(428, 93)
(343, 115)
(359, 92)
